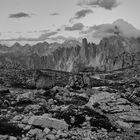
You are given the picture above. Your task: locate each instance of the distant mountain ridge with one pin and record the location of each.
(110, 54)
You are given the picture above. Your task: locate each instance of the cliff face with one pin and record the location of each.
(118, 52)
(112, 53)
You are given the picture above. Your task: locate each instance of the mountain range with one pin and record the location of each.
(110, 54)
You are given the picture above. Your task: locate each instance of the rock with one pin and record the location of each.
(12, 138)
(115, 108)
(54, 132)
(41, 102)
(35, 109)
(128, 118)
(71, 115)
(5, 104)
(122, 101)
(50, 101)
(48, 122)
(46, 130)
(76, 82)
(99, 98)
(124, 124)
(4, 137)
(18, 118)
(4, 91)
(47, 115)
(61, 134)
(27, 127)
(25, 138)
(87, 82)
(34, 132)
(25, 97)
(20, 125)
(51, 137)
(25, 119)
(43, 80)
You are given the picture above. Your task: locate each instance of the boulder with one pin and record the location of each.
(44, 121)
(51, 137)
(99, 98)
(124, 124)
(46, 130)
(25, 97)
(37, 133)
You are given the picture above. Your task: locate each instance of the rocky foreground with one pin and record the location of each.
(66, 106)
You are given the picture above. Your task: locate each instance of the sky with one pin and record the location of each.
(41, 20)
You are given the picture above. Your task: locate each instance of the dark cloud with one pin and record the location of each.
(107, 4)
(81, 14)
(58, 29)
(54, 14)
(74, 27)
(19, 15)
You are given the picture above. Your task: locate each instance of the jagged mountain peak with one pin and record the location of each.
(39, 44)
(16, 44)
(120, 21)
(71, 43)
(27, 45)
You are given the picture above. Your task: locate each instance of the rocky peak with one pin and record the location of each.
(16, 45)
(71, 43)
(84, 42)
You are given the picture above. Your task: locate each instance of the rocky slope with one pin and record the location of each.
(69, 106)
(112, 53)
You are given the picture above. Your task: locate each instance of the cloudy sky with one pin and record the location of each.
(40, 20)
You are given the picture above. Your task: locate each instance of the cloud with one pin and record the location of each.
(20, 15)
(54, 14)
(47, 35)
(59, 29)
(97, 32)
(42, 37)
(106, 4)
(81, 14)
(104, 30)
(61, 38)
(74, 27)
(44, 31)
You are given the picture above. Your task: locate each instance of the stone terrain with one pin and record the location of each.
(56, 105)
